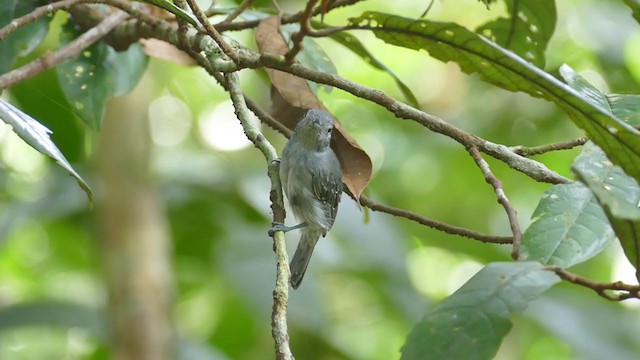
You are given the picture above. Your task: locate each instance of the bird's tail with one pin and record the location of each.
(303, 253)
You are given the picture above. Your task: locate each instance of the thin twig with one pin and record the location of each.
(215, 35)
(69, 51)
(623, 291)
(281, 292)
(538, 150)
(502, 199)
(449, 229)
(239, 10)
(305, 27)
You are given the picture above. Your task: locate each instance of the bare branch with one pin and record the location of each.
(241, 8)
(305, 27)
(502, 199)
(281, 292)
(449, 229)
(538, 150)
(621, 290)
(69, 51)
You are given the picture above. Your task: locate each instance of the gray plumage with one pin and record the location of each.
(312, 181)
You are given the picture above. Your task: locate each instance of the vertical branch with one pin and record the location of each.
(134, 236)
(279, 329)
(305, 28)
(502, 199)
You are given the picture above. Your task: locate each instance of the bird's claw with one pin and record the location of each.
(276, 227)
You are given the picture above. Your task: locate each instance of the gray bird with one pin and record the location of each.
(312, 181)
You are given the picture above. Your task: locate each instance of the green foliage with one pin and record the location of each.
(24, 40)
(37, 136)
(568, 227)
(474, 54)
(471, 323)
(89, 80)
(527, 31)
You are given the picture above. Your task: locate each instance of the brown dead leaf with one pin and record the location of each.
(163, 50)
(292, 96)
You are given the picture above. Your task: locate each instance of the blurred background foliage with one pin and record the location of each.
(374, 276)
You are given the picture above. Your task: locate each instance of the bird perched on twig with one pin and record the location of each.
(312, 182)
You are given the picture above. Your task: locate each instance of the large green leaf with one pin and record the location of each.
(98, 73)
(37, 136)
(471, 323)
(24, 40)
(476, 54)
(527, 31)
(354, 44)
(617, 193)
(569, 227)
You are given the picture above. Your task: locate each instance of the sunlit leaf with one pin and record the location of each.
(22, 41)
(568, 227)
(617, 193)
(37, 136)
(527, 31)
(354, 44)
(471, 323)
(476, 54)
(98, 73)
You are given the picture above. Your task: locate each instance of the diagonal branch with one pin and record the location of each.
(502, 199)
(69, 51)
(237, 12)
(623, 291)
(281, 293)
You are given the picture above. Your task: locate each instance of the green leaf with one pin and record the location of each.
(625, 107)
(471, 323)
(84, 80)
(569, 227)
(527, 31)
(621, 144)
(354, 44)
(617, 193)
(98, 73)
(22, 41)
(126, 68)
(172, 8)
(311, 55)
(635, 7)
(475, 54)
(37, 136)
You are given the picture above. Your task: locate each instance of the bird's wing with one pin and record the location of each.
(327, 188)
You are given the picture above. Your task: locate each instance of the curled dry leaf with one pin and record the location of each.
(292, 96)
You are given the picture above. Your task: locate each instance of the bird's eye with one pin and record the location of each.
(329, 131)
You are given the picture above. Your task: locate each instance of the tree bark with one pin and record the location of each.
(134, 235)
